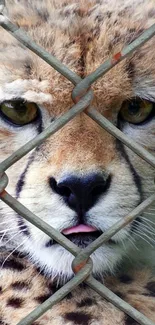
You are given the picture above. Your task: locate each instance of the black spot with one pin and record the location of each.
(110, 46)
(44, 15)
(78, 318)
(119, 294)
(130, 321)
(15, 302)
(132, 36)
(22, 225)
(2, 322)
(40, 271)
(99, 18)
(19, 254)
(86, 302)
(151, 287)
(0, 289)
(43, 298)
(53, 287)
(125, 278)
(69, 296)
(132, 30)
(14, 265)
(28, 68)
(130, 70)
(49, 243)
(108, 14)
(83, 285)
(19, 285)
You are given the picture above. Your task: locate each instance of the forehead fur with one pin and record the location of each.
(82, 36)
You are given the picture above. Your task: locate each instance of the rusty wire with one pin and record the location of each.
(82, 96)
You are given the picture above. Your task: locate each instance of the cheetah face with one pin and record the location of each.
(81, 180)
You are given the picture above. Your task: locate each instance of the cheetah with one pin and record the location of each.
(81, 180)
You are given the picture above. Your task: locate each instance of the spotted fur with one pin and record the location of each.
(23, 288)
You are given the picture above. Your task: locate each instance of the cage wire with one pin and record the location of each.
(82, 96)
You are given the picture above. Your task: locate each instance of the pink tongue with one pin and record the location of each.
(79, 228)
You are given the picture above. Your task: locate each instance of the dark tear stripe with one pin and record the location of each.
(121, 148)
(21, 224)
(21, 181)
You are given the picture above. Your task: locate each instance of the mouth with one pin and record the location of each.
(81, 235)
(82, 240)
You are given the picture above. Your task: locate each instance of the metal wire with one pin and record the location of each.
(82, 96)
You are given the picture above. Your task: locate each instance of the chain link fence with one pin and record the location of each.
(82, 96)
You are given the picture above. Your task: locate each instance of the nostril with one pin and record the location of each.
(100, 188)
(97, 190)
(53, 184)
(64, 190)
(58, 188)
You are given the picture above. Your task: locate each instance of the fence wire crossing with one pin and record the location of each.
(82, 96)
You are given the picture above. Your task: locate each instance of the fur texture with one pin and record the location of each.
(22, 289)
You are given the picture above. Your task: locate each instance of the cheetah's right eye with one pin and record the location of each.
(19, 112)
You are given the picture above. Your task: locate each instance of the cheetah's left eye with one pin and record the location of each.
(136, 110)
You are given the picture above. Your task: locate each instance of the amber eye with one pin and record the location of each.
(136, 110)
(19, 112)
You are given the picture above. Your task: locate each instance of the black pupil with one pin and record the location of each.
(20, 108)
(134, 107)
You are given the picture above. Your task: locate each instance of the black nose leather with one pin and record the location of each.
(81, 193)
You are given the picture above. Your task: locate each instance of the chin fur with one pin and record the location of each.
(55, 262)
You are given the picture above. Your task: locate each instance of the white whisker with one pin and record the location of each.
(142, 235)
(13, 252)
(3, 236)
(148, 220)
(8, 229)
(146, 227)
(17, 233)
(131, 240)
